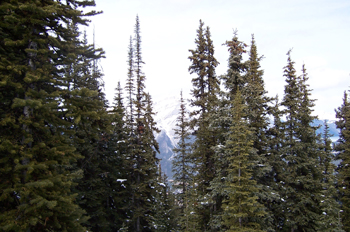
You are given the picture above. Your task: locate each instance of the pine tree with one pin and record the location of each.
(95, 138)
(274, 201)
(198, 59)
(103, 188)
(130, 87)
(342, 147)
(182, 168)
(302, 183)
(204, 92)
(87, 107)
(222, 120)
(36, 146)
(240, 206)
(165, 217)
(234, 79)
(254, 95)
(258, 105)
(142, 161)
(213, 83)
(191, 219)
(329, 206)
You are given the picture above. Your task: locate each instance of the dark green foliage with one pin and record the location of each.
(204, 92)
(329, 206)
(182, 166)
(234, 79)
(70, 162)
(130, 86)
(36, 146)
(141, 162)
(257, 113)
(273, 200)
(87, 108)
(301, 184)
(343, 149)
(165, 217)
(222, 120)
(203, 64)
(245, 78)
(240, 206)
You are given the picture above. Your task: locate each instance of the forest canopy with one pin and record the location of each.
(72, 161)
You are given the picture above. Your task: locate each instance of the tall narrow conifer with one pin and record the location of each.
(204, 93)
(142, 161)
(222, 122)
(36, 141)
(182, 166)
(330, 207)
(258, 107)
(342, 147)
(240, 207)
(130, 85)
(301, 188)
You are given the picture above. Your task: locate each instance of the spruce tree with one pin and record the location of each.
(204, 93)
(36, 146)
(117, 148)
(198, 59)
(141, 160)
(342, 148)
(182, 166)
(258, 105)
(301, 188)
(254, 95)
(329, 206)
(234, 78)
(221, 120)
(276, 175)
(240, 206)
(165, 212)
(130, 85)
(87, 107)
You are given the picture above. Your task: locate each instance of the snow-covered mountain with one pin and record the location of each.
(167, 110)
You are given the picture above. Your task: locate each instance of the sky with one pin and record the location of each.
(317, 31)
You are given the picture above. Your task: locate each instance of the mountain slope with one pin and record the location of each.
(167, 111)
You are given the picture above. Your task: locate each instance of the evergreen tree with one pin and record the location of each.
(198, 59)
(222, 120)
(165, 217)
(36, 146)
(87, 107)
(142, 161)
(342, 147)
(240, 206)
(276, 175)
(205, 90)
(117, 149)
(258, 105)
(301, 188)
(182, 168)
(234, 79)
(130, 86)
(329, 206)
(213, 83)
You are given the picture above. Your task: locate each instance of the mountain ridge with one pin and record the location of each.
(167, 111)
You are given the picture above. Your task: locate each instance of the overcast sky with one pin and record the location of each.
(316, 30)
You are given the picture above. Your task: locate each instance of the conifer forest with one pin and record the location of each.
(72, 161)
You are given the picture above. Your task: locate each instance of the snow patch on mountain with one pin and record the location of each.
(167, 110)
